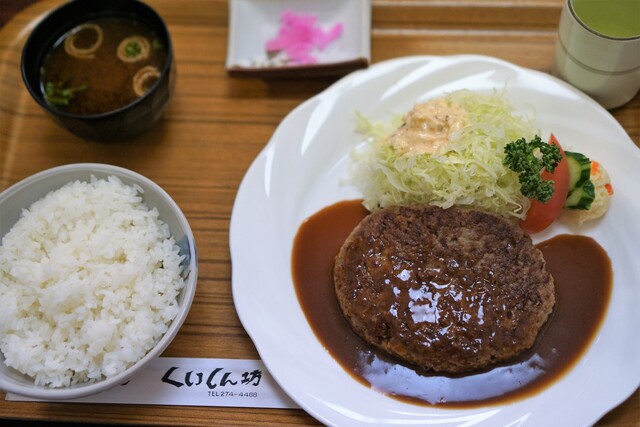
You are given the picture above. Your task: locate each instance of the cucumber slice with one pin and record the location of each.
(581, 197)
(579, 169)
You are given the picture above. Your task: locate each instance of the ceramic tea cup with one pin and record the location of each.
(598, 49)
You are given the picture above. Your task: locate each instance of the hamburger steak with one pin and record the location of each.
(449, 290)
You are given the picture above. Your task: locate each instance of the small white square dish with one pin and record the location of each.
(311, 37)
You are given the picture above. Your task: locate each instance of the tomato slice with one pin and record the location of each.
(541, 215)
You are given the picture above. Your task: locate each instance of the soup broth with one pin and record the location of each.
(101, 66)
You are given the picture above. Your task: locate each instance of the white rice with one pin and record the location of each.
(89, 277)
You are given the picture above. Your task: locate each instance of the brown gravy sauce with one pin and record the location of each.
(583, 278)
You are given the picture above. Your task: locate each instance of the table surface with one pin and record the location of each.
(211, 132)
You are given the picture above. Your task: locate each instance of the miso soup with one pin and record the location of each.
(101, 65)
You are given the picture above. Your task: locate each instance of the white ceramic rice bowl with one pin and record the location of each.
(22, 194)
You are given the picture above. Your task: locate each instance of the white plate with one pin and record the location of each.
(301, 170)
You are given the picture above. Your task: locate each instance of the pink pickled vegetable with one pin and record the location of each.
(299, 35)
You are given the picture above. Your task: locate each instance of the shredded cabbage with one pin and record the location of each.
(467, 171)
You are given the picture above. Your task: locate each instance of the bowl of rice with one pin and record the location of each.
(98, 270)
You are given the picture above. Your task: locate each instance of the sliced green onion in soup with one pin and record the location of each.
(134, 49)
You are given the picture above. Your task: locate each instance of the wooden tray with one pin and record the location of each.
(199, 152)
(210, 134)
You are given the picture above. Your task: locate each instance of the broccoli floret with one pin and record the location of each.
(521, 157)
